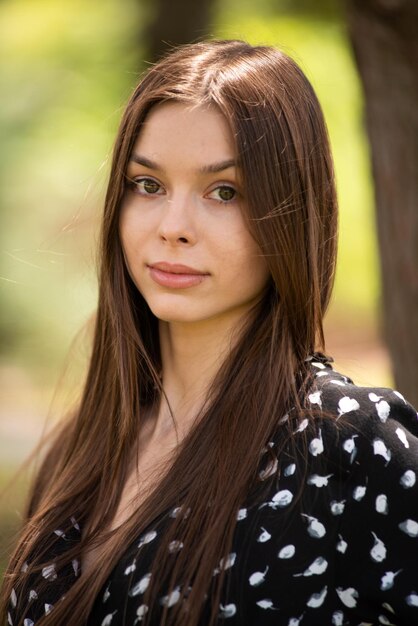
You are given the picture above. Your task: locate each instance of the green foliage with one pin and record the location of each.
(70, 67)
(324, 9)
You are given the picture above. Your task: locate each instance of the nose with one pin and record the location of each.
(176, 226)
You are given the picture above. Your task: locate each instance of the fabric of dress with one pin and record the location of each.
(345, 555)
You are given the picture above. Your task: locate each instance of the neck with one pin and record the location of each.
(191, 354)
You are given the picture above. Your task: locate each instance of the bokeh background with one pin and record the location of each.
(68, 68)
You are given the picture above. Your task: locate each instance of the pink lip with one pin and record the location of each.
(175, 275)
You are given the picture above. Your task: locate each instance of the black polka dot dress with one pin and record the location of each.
(345, 555)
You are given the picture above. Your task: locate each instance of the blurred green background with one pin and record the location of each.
(68, 68)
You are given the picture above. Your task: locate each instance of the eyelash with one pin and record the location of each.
(135, 182)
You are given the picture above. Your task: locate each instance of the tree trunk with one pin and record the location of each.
(178, 22)
(384, 36)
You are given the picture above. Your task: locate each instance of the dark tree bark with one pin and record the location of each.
(177, 22)
(384, 36)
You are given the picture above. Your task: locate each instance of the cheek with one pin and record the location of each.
(245, 263)
(125, 219)
(131, 228)
(130, 239)
(258, 271)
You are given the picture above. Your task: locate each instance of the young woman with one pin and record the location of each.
(218, 469)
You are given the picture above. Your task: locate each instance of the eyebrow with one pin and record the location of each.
(212, 168)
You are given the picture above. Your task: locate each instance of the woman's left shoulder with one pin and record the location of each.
(369, 438)
(371, 410)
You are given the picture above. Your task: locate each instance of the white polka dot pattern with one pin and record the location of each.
(344, 554)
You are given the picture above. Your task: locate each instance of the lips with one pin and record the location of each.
(175, 275)
(177, 268)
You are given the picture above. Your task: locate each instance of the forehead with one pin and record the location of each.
(176, 128)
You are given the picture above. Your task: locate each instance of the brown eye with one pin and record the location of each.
(149, 185)
(224, 193)
(146, 187)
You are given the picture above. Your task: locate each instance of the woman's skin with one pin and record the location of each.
(174, 213)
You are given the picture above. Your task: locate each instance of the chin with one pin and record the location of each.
(175, 313)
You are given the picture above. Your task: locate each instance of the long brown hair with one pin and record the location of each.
(286, 167)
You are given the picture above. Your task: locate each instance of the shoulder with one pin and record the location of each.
(340, 529)
(334, 539)
(371, 434)
(363, 436)
(371, 410)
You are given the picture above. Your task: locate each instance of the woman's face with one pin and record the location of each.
(181, 225)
